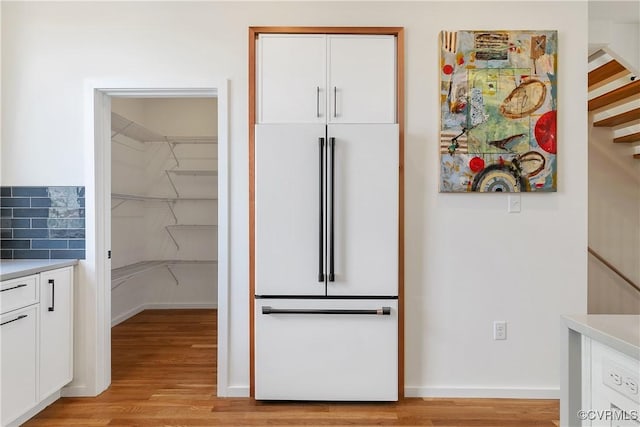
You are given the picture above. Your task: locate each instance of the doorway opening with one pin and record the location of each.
(163, 236)
(161, 197)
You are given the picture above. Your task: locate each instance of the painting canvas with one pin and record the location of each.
(498, 104)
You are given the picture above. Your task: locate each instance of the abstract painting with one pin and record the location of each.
(498, 104)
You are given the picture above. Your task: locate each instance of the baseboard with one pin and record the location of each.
(237, 391)
(127, 314)
(159, 306)
(469, 392)
(78, 391)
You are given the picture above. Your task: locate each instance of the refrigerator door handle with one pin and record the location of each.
(321, 210)
(382, 311)
(332, 145)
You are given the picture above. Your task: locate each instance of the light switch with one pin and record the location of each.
(514, 203)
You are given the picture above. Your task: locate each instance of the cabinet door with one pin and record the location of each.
(19, 362)
(365, 210)
(324, 356)
(362, 79)
(291, 78)
(56, 330)
(287, 203)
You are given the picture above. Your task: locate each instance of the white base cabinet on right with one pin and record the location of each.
(611, 391)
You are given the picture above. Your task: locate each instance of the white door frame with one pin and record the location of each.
(98, 206)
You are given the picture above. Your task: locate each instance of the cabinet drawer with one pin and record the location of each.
(18, 293)
(326, 356)
(19, 331)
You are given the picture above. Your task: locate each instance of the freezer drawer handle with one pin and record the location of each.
(22, 285)
(22, 316)
(382, 311)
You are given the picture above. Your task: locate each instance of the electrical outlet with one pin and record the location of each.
(499, 330)
(620, 379)
(631, 385)
(514, 203)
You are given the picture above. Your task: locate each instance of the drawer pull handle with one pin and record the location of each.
(382, 311)
(22, 285)
(52, 282)
(22, 316)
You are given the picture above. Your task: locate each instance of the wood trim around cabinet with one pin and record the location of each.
(398, 32)
(400, 116)
(253, 35)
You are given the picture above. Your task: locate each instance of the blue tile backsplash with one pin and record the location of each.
(42, 223)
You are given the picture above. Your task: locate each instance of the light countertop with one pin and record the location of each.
(618, 331)
(13, 268)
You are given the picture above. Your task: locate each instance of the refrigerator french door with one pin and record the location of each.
(326, 261)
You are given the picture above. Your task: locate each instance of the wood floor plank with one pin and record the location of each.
(164, 374)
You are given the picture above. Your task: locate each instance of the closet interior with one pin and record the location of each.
(163, 204)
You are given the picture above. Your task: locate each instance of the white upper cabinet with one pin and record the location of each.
(319, 78)
(291, 78)
(361, 79)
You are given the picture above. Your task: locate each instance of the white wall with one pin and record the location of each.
(615, 27)
(614, 224)
(468, 262)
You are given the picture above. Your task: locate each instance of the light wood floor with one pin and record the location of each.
(164, 374)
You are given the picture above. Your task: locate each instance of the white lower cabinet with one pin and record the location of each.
(19, 362)
(37, 342)
(611, 390)
(56, 331)
(318, 356)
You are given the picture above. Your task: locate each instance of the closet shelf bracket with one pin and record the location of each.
(170, 205)
(172, 183)
(175, 242)
(172, 274)
(173, 153)
(117, 205)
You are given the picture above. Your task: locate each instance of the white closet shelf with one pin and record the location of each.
(191, 225)
(193, 172)
(185, 226)
(169, 200)
(122, 196)
(207, 140)
(190, 172)
(123, 126)
(127, 272)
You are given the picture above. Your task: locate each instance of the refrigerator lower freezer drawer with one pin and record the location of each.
(326, 349)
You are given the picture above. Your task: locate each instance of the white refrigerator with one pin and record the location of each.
(326, 262)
